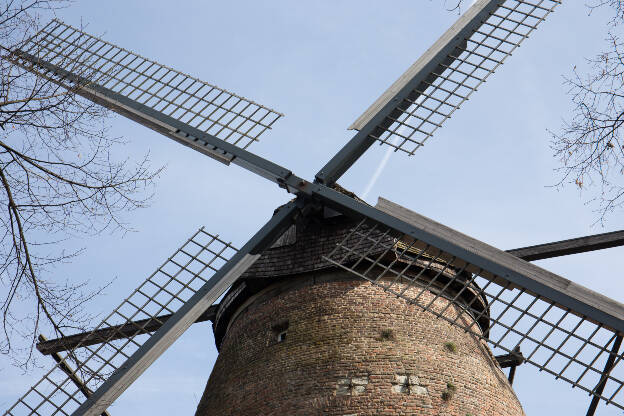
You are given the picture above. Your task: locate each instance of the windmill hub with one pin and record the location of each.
(298, 336)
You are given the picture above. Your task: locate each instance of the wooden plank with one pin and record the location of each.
(512, 359)
(548, 284)
(99, 336)
(571, 246)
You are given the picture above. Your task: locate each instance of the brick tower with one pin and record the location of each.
(298, 336)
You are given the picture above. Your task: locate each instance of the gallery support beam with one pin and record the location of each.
(99, 336)
(571, 246)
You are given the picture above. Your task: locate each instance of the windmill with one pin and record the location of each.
(398, 114)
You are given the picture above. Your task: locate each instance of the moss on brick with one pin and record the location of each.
(331, 337)
(386, 335)
(450, 346)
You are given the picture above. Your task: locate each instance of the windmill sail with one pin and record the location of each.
(426, 100)
(439, 82)
(562, 328)
(113, 76)
(164, 292)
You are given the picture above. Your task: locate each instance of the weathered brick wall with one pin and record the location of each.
(351, 349)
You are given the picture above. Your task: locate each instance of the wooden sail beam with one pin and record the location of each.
(571, 246)
(130, 329)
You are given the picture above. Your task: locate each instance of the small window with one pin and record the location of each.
(279, 331)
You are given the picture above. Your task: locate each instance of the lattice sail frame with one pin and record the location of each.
(223, 114)
(552, 338)
(436, 98)
(164, 292)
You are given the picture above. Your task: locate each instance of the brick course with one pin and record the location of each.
(351, 349)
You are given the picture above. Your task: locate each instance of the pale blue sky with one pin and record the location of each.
(486, 173)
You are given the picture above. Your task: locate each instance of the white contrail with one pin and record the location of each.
(390, 149)
(380, 168)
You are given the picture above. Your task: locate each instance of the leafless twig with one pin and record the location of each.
(59, 178)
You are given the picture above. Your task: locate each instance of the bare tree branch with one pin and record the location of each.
(590, 145)
(60, 179)
(616, 5)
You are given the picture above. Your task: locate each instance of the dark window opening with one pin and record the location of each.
(279, 331)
